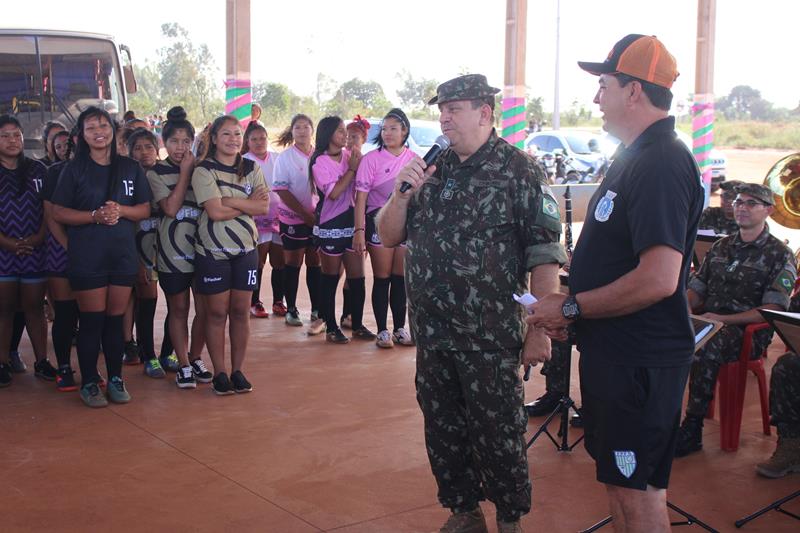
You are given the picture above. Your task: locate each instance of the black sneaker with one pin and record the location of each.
(18, 366)
(240, 383)
(65, 382)
(363, 334)
(43, 369)
(690, 436)
(131, 354)
(5, 375)
(337, 337)
(221, 385)
(201, 373)
(184, 378)
(543, 405)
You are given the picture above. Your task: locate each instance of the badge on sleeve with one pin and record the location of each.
(550, 207)
(605, 207)
(626, 461)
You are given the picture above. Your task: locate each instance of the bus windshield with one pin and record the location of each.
(45, 78)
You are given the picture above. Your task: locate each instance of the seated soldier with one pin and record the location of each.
(742, 273)
(784, 411)
(720, 219)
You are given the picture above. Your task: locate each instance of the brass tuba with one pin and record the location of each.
(783, 179)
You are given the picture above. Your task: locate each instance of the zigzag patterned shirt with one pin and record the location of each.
(21, 216)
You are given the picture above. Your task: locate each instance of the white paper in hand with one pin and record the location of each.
(526, 301)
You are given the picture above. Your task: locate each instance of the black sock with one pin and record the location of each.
(166, 343)
(327, 297)
(276, 278)
(397, 300)
(256, 297)
(313, 283)
(145, 314)
(113, 344)
(380, 301)
(16, 332)
(291, 278)
(88, 346)
(346, 299)
(357, 296)
(64, 322)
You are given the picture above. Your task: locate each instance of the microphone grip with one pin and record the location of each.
(429, 158)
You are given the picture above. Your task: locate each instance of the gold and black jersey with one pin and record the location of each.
(225, 239)
(176, 235)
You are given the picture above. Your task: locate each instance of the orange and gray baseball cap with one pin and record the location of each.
(640, 56)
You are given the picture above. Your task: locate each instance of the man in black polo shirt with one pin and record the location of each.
(627, 286)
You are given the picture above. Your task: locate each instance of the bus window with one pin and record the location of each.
(19, 73)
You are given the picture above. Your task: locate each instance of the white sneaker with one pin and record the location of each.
(402, 337)
(384, 340)
(316, 327)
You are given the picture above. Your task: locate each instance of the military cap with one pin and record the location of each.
(730, 185)
(759, 192)
(467, 87)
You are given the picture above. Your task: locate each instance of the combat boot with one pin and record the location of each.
(509, 527)
(785, 459)
(468, 522)
(690, 436)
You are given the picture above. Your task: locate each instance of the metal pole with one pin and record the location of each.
(238, 96)
(514, 89)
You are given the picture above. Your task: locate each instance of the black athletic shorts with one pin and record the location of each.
(295, 236)
(631, 417)
(335, 236)
(371, 230)
(86, 283)
(219, 275)
(173, 283)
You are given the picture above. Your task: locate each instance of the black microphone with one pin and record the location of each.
(439, 145)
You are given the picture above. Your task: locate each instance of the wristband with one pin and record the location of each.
(358, 229)
(94, 219)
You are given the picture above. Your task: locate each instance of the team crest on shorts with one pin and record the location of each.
(626, 462)
(605, 207)
(290, 230)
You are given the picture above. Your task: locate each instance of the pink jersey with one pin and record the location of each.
(291, 174)
(376, 175)
(269, 222)
(327, 173)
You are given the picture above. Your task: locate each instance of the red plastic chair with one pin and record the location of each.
(732, 382)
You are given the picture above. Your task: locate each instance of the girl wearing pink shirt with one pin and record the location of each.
(332, 170)
(374, 185)
(296, 219)
(256, 148)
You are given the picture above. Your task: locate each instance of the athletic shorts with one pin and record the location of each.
(219, 275)
(86, 283)
(335, 236)
(631, 417)
(270, 237)
(295, 236)
(371, 230)
(173, 283)
(28, 278)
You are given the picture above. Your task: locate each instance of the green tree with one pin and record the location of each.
(414, 95)
(535, 109)
(276, 101)
(357, 96)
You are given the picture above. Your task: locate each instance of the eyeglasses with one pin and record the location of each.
(750, 204)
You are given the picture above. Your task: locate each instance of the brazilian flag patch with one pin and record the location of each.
(550, 207)
(786, 281)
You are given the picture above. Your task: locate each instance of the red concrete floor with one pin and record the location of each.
(330, 440)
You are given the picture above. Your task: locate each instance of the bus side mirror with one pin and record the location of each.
(127, 71)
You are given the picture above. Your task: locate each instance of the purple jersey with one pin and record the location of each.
(21, 216)
(376, 175)
(327, 173)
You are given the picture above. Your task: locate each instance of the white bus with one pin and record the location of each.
(54, 75)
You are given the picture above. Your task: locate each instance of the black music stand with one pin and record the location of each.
(788, 327)
(709, 329)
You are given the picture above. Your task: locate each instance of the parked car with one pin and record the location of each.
(583, 149)
(423, 135)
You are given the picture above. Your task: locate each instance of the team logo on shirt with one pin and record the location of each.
(626, 462)
(248, 189)
(605, 207)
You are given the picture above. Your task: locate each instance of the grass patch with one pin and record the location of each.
(751, 134)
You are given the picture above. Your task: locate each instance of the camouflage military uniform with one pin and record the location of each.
(555, 369)
(714, 218)
(737, 276)
(784, 389)
(475, 230)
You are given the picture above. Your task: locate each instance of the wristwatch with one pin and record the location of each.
(570, 308)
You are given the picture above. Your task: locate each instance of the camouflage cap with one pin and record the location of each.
(467, 87)
(730, 185)
(759, 192)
